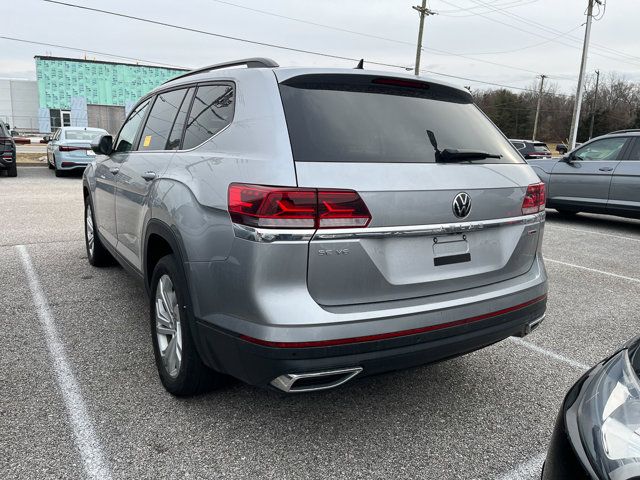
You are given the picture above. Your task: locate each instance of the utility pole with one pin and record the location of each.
(424, 12)
(535, 122)
(593, 106)
(585, 50)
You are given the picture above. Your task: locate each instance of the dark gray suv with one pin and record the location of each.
(7, 152)
(297, 227)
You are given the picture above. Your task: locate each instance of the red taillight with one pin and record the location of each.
(277, 207)
(65, 148)
(534, 199)
(341, 208)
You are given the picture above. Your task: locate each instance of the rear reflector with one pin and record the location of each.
(386, 336)
(68, 164)
(535, 199)
(290, 207)
(65, 148)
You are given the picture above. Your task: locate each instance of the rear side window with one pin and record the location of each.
(518, 145)
(362, 118)
(160, 120)
(173, 143)
(3, 131)
(211, 111)
(635, 155)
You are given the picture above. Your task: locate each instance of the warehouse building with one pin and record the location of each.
(76, 92)
(19, 104)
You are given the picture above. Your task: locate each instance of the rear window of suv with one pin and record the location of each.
(363, 118)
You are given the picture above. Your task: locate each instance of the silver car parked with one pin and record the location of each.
(600, 176)
(297, 227)
(69, 149)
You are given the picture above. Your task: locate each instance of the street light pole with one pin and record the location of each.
(423, 11)
(594, 105)
(578, 105)
(535, 122)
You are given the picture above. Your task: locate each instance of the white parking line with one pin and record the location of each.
(594, 270)
(84, 435)
(623, 237)
(549, 353)
(529, 470)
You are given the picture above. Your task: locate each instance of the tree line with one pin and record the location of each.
(616, 107)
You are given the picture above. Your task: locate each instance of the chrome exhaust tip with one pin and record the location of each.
(313, 382)
(530, 327)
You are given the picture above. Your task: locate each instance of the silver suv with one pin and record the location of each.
(297, 227)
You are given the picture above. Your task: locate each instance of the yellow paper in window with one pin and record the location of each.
(147, 141)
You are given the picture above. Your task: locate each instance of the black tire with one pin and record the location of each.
(59, 173)
(49, 164)
(13, 170)
(192, 376)
(99, 256)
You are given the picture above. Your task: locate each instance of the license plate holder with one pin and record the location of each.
(450, 249)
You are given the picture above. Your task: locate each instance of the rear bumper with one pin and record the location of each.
(259, 364)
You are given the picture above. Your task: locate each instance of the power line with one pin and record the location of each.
(353, 32)
(316, 24)
(204, 32)
(84, 50)
(219, 35)
(502, 6)
(528, 21)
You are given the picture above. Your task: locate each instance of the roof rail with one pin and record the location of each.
(629, 130)
(257, 62)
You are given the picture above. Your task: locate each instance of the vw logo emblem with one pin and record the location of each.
(462, 205)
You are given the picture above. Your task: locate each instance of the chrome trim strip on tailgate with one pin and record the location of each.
(266, 235)
(419, 230)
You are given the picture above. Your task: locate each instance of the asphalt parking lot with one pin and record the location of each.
(96, 407)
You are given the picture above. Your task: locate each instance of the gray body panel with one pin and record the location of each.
(273, 285)
(601, 186)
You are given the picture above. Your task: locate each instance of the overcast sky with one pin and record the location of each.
(528, 37)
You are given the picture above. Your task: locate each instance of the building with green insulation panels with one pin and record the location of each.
(76, 92)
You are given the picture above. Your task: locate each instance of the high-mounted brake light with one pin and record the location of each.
(284, 207)
(535, 199)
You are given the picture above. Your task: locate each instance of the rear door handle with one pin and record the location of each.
(148, 176)
(605, 169)
(114, 170)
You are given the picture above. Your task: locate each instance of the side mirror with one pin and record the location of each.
(102, 145)
(46, 138)
(568, 158)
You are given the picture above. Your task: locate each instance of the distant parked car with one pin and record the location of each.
(20, 139)
(561, 148)
(530, 149)
(600, 176)
(70, 148)
(597, 433)
(7, 152)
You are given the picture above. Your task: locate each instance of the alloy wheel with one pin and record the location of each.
(168, 328)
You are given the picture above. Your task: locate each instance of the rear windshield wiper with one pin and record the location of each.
(456, 155)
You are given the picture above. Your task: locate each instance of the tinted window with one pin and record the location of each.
(541, 148)
(83, 134)
(212, 110)
(605, 149)
(178, 126)
(362, 118)
(130, 128)
(160, 120)
(518, 145)
(3, 130)
(635, 151)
